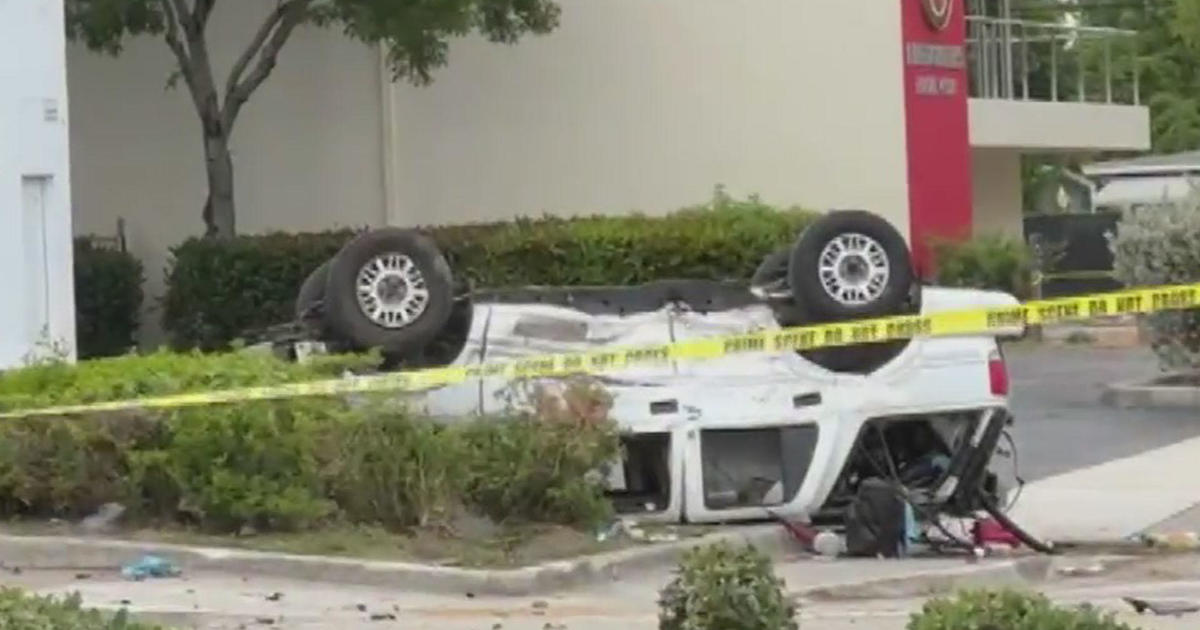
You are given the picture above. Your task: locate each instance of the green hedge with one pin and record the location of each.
(304, 464)
(721, 587)
(986, 262)
(27, 611)
(160, 374)
(108, 299)
(291, 464)
(217, 290)
(1009, 610)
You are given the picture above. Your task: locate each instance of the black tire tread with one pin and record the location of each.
(346, 320)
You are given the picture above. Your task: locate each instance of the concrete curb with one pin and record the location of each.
(51, 552)
(1017, 572)
(1139, 395)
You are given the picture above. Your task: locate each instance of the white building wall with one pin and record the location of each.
(307, 150)
(630, 105)
(1059, 126)
(996, 187)
(644, 105)
(37, 307)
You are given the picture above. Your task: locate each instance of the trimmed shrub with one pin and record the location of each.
(528, 469)
(544, 466)
(159, 374)
(294, 463)
(1010, 610)
(399, 472)
(718, 587)
(256, 464)
(108, 299)
(22, 611)
(69, 467)
(1160, 245)
(986, 262)
(216, 290)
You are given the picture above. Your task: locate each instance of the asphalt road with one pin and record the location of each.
(1061, 424)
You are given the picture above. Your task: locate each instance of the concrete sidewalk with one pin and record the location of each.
(1157, 491)
(213, 600)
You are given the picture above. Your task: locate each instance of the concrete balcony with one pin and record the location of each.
(1045, 86)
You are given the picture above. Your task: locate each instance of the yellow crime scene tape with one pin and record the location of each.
(950, 323)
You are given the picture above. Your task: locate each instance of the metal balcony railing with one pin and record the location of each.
(1043, 61)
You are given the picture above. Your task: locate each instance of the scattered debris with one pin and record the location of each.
(1173, 540)
(630, 529)
(1081, 571)
(662, 537)
(829, 544)
(1162, 606)
(801, 534)
(149, 566)
(104, 520)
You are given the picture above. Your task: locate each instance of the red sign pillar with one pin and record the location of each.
(936, 125)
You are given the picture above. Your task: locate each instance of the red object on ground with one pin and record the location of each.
(989, 531)
(798, 532)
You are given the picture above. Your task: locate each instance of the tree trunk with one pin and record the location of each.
(219, 213)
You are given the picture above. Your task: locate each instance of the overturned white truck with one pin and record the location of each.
(794, 433)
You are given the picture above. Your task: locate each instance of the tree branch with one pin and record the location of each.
(181, 53)
(293, 14)
(172, 35)
(200, 14)
(194, 65)
(182, 15)
(256, 44)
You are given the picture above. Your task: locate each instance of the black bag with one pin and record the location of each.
(875, 521)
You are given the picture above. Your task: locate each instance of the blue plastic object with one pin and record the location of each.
(149, 567)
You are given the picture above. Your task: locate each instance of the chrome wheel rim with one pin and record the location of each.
(853, 269)
(391, 290)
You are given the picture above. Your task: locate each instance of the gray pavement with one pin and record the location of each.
(215, 601)
(1061, 424)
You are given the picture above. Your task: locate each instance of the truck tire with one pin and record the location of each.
(311, 295)
(850, 264)
(389, 289)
